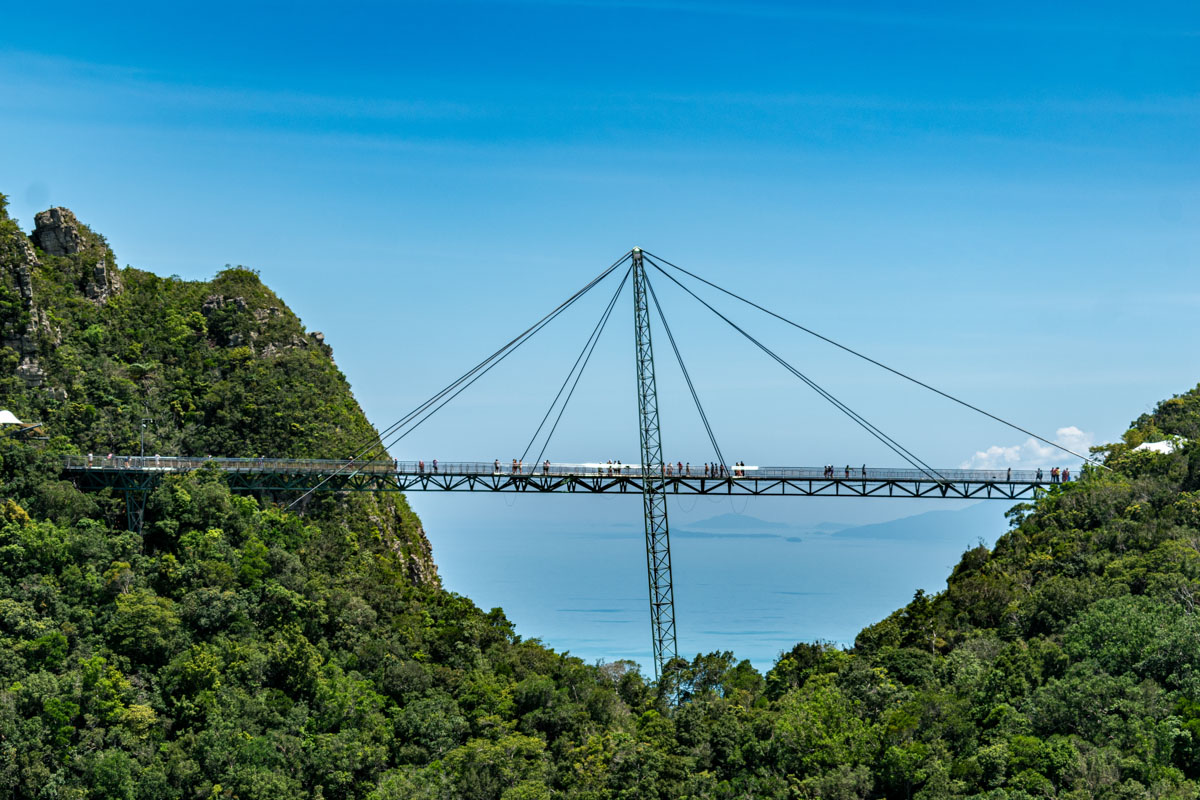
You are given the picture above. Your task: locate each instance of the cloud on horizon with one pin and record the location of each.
(1032, 453)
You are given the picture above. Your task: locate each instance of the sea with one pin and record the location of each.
(744, 584)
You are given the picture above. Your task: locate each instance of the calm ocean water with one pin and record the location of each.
(741, 584)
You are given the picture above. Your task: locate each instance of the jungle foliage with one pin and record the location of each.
(236, 650)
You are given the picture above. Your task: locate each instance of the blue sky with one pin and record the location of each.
(1001, 200)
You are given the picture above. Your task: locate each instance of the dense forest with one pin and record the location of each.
(236, 650)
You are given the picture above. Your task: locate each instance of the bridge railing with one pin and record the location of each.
(171, 464)
(189, 463)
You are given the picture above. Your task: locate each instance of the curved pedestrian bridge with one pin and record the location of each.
(138, 473)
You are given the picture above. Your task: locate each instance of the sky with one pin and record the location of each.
(999, 200)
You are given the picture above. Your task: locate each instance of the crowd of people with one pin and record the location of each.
(1056, 475)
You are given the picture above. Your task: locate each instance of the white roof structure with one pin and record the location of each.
(1167, 447)
(8, 418)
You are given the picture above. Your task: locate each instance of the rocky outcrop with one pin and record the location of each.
(17, 262)
(233, 322)
(72, 254)
(318, 338)
(421, 568)
(59, 233)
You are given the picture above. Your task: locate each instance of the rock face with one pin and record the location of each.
(18, 260)
(59, 233)
(72, 252)
(56, 231)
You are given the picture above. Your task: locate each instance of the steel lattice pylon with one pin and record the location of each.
(658, 543)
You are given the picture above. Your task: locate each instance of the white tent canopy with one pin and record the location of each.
(1169, 446)
(8, 418)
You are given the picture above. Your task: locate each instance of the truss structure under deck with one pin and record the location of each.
(302, 476)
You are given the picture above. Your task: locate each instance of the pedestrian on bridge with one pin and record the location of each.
(864, 471)
(496, 467)
(546, 467)
(435, 466)
(847, 470)
(421, 466)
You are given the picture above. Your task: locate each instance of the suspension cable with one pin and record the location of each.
(891, 443)
(879, 364)
(603, 323)
(691, 388)
(513, 343)
(399, 437)
(477, 371)
(599, 326)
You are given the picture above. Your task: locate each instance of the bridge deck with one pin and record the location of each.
(132, 473)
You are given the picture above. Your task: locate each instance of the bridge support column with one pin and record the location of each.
(135, 508)
(654, 485)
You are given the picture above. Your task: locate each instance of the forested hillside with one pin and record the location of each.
(233, 649)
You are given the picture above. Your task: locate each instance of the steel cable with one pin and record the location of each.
(891, 443)
(691, 388)
(603, 323)
(594, 337)
(482, 367)
(880, 364)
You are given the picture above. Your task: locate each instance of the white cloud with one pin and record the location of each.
(1032, 453)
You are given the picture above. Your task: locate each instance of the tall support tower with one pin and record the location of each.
(654, 496)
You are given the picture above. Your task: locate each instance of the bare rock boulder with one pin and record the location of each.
(57, 231)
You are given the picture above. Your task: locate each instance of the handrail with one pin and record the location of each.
(293, 466)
